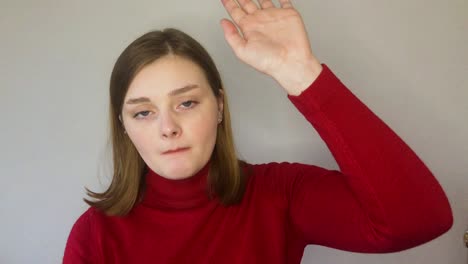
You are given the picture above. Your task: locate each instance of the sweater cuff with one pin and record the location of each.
(323, 89)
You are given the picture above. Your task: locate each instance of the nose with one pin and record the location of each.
(169, 126)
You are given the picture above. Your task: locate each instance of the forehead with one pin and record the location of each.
(166, 74)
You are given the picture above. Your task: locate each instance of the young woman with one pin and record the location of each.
(179, 194)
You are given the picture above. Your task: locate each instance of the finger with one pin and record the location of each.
(286, 4)
(248, 6)
(232, 36)
(266, 4)
(234, 10)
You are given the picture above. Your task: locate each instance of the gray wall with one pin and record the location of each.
(407, 60)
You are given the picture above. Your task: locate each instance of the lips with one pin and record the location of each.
(175, 150)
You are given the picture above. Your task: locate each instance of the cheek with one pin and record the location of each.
(140, 139)
(202, 130)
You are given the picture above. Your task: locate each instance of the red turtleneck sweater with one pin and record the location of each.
(383, 199)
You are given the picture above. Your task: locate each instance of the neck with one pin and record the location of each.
(185, 193)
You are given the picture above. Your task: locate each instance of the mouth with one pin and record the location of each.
(178, 150)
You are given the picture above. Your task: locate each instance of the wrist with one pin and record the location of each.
(297, 76)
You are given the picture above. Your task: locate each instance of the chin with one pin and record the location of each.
(179, 172)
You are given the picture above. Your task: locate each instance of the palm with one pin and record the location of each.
(271, 37)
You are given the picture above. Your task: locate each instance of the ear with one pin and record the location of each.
(220, 99)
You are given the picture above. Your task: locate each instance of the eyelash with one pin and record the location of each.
(193, 103)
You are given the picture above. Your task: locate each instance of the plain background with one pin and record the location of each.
(406, 60)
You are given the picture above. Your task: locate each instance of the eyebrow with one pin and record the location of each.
(171, 93)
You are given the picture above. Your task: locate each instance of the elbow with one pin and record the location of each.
(431, 219)
(444, 221)
(428, 228)
(439, 221)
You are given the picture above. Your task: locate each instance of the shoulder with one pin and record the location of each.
(280, 169)
(90, 215)
(281, 177)
(80, 244)
(84, 224)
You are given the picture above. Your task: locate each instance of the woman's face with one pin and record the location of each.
(170, 105)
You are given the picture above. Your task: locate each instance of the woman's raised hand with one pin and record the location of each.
(273, 40)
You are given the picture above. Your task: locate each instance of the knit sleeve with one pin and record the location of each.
(383, 198)
(80, 244)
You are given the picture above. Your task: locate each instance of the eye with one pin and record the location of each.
(143, 113)
(189, 104)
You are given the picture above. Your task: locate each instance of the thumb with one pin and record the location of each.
(232, 36)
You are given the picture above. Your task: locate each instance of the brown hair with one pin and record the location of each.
(226, 178)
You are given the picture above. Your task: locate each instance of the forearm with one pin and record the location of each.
(392, 184)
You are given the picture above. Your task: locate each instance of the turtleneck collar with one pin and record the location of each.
(176, 194)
